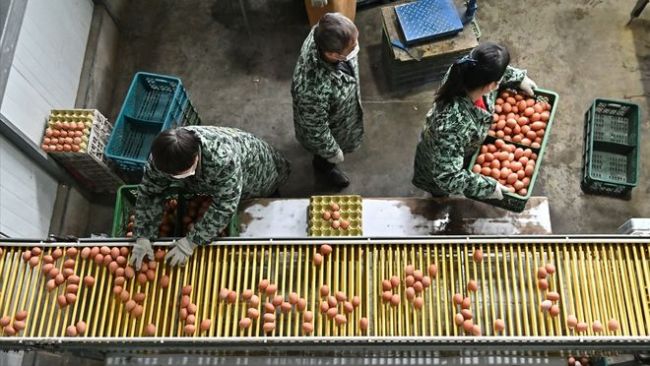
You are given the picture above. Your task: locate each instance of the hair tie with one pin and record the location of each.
(466, 59)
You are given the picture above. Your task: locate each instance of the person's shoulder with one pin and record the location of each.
(446, 116)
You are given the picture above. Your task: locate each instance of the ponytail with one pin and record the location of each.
(485, 64)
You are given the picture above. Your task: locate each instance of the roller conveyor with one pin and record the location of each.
(597, 279)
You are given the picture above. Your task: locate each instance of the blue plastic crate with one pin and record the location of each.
(427, 20)
(153, 103)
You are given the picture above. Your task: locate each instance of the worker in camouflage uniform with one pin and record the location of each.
(459, 121)
(225, 163)
(327, 112)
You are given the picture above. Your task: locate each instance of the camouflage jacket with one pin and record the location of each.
(234, 164)
(327, 112)
(452, 132)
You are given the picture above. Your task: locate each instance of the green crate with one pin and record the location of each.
(511, 201)
(125, 205)
(610, 158)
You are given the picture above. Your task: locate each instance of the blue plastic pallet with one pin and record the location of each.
(426, 20)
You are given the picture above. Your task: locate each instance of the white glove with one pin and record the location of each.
(318, 3)
(528, 86)
(338, 158)
(181, 251)
(141, 249)
(498, 192)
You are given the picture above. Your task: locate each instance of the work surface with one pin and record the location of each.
(401, 217)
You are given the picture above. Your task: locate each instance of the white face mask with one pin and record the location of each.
(353, 53)
(189, 173)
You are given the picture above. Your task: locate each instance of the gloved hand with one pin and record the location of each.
(528, 86)
(498, 192)
(141, 249)
(338, 158)
(318, 3)
(181, 251)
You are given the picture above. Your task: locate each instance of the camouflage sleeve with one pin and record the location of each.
(225, 199)
(451, 176)
(313, 126)
(149, 205)
(513, 76)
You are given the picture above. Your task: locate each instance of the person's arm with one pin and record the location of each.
(225, 199)
(513, 76)
(149, 204)
(449, 173)
(313, 127)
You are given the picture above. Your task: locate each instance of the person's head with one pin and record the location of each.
(336, 37)
(480, 71)
(176, 152)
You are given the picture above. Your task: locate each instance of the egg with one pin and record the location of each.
(467, 302)
(99, 259)
(553, 296)
(268, 327)
(137, 311)
(33, 261)
(254, 301)
(386, 285)
(478, 255)
(112, 267)
(348, 307)
(244, 323)
(301, 304)
(571, 321)
(50, 285)
(232, 297)
(387, 296)
(59, 279)
(269, 308)
(395, 300)
(334, 206)
(410, 293)
(336, 215)
(71, 331)
(190, 329)
(57, 253)
(324, 290)
(263, 285)
(457, 299)
(340, 296)
(613, 325)
(345, 224)
(9, 330)
(332, 302)
(542, 284)
(541, 272)
(72, 289)
(81, 327)
(271, 289)
(394, 282)
(363, 324)
(418, 303)
(4, 321)
(19, 325)
(253, 313)
(150, 330)
(139, 297)
(426, 281)
(596, 326)
(318, 259)
(131, 304)
(325, 249)
(307, 328)
(472, 286)
(62, 301)
(340, 319)
(550, 268)
(53, 272)
(356, 301)
(277, 300)
(327, 215)
(418, 287)
(468, 325)
(554, 311)
(27, 255)
(336, 224)
(324, 307)
(129, 272)
(466, 313)
(159, 255)
(142, 278)
(46, 268)
(186, 290)
(499, 325)
(164, 281)
(331, 313)
(459, 319)
(546, 305)
(476, 330)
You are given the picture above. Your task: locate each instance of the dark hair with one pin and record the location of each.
(334, 32)
(485, 64)
(174, 150)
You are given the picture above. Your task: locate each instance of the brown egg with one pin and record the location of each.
(550, 268)
(21, 315)
(253, 313)
(277, 300)
(418, 303)
(468, 325)
(151, 274)
(426, 281)
(223, 293)
(324, 290)
(542, 284)
(131, 304)
(244, 323)
(476, 330)
(269, 318)
(46, 268)
(433, 270)
(263, 285)
(478, 255)
(318, 259)
(205, 324)
(186, 290)
(89, 281)
(410, 293)
(334, 206)
(74, 280)
(269, 308)
(347, 307)
(142, 278)
(72, 289)
(105, 250)
(254, 301)
(59, 279)
(53, 272)
(327, 215)
(395, 300)
(571, 321)
(417, 274)
(119, 281)
(125, 295)
(459, 319)
(268, 327)
(324, 306)
(85, 253)
(307, 328)
(50, 285)
(331, 301)
(386, 285)
(301, 304)
(185, 301)
(472, 286)
(61, 300)
(418, 287)
(246, 294)
(129, 272)
(189, 329)
(114, 252)
(596, 326)
(554, 310)
(546, 305)
(150, 330)
(159, 255)
(112, 267)
(325, 249)
(356, 301)
(139, 297)
(27, 255)
(541, 272)
(340, 296)
(71, 331)
(466, 313)
(340, 319)
(81, 327)
(67, 272)
(409, 269)
(164, 281)
(499, 325)
(4, 321)
(57, 253)
(336, 224)
(107, 260)
(345, 224)
(467, 302)
(19, 325)
(271, 289)
(363, 324)
(121, 261)
(285, 307)
(308, 316)
(553, 296)
(457, 299)
(99, 259)
(613, 325)
(137, 311)
(9, 330)
(336, 215)
(48, 259)
(409, 281)
(331, 313)
(386, 296)
(33, 261)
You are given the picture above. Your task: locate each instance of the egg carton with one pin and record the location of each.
(99, 126)
(350, 208)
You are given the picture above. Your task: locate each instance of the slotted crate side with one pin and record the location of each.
(611, 148)
(150, 97)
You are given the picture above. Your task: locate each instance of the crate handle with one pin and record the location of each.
(614, 105)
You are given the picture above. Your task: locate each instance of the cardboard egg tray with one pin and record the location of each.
(350, 209)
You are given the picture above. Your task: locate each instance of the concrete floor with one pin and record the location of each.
(581, 49)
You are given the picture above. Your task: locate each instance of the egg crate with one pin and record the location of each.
(99, 129)
(350, 208)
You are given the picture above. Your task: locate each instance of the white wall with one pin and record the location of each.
(44, 75)
(47, 62)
